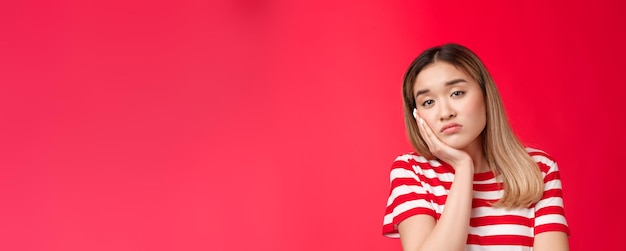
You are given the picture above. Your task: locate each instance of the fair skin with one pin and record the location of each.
(450, 116)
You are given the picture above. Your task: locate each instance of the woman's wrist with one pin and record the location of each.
(464, 165)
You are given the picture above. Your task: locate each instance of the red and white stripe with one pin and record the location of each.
(419, 186)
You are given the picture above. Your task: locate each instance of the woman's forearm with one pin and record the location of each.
(450, 232)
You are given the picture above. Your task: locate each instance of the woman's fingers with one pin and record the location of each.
(422, 130)
(437, 147)
(427, 134)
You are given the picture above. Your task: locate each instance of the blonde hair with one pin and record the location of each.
(504, 153)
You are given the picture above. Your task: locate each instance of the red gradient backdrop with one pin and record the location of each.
(271, 125)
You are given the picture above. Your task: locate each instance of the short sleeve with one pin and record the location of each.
(549, 212)
(407, 196)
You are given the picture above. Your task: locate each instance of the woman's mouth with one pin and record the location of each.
(451, 128)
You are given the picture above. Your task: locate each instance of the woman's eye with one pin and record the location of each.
(457, 93)
(428, 102)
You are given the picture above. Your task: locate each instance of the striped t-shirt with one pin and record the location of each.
(420, 186)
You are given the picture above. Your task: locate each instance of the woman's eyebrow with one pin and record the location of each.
(451, 82)
(420, 92)
(455, 81)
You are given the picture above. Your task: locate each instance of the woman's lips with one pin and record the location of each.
(451, 128)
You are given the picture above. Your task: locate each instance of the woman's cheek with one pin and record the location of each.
(427, 116)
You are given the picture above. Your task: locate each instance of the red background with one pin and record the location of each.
(271, 125)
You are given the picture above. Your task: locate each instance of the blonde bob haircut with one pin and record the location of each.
(504, 153)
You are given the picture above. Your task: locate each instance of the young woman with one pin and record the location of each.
(471, 185)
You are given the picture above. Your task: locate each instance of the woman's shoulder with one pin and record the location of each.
(545, 161)
(538, 153)
(411, 156)
(416, 159)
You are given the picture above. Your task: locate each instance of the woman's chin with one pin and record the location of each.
(456, 144)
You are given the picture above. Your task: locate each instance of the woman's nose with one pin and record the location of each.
(446, 112)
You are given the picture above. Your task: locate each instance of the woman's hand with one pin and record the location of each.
(441, 150)
(449, 232)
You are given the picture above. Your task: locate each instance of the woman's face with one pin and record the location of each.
(452, 104)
